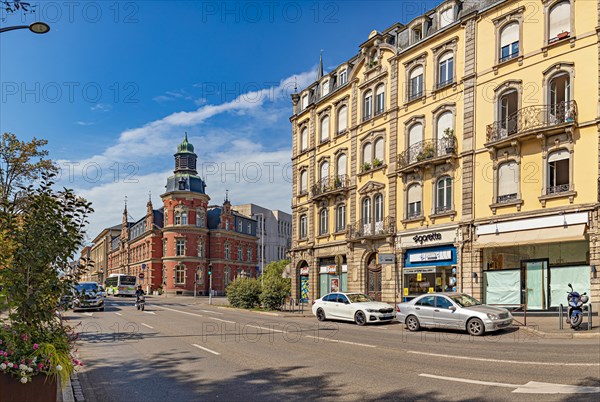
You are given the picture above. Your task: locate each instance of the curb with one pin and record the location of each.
(554, 335)
(65, 393)
(77, 390)
(251, 311)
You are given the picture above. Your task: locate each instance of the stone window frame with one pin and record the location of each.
(320, 162)
(301, 235)
(323, 231)
(409, 66)
(227, 250)
(337, 226)
(502, 89)
(371, 138)
(177, 239)
(303, 169)
(557, 145)
(408, 124)
(324, 114)
(179, 268)
(517, 15)
(337, 154)
(179, 210)
(416, 181)
(438, 112)
(548, 5)
(363, 102)
(445, 6)
(438, 51)
(338, 106)
(562, 67)
(420, 23)
(502, 156)
(301, 127)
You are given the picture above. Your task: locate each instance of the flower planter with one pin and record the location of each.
(40, 389)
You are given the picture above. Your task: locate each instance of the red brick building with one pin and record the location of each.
(173, 247)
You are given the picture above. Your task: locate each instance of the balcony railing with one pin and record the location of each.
(501, 199)
(361, 229)
(426, 150)
(561, 188)
(532, 118)
(330, 184)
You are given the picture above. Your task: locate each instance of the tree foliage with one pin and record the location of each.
(275, 288)
(244, 293)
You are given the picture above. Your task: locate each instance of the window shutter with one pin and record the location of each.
(325, 128)
(414, 193)
(416, 72)
(324, 170)
(304, 139)
(415, 134)
(341, 165)
(560, 19)
(508, 179)
(558, 156)
(303, 181)
(510, 34)
(342, 119)
(367, 153)
(443, 122)
(379, 149)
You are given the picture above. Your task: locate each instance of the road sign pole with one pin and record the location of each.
(210, 288)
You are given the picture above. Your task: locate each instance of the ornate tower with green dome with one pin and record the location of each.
(185, 178)
(185, 158)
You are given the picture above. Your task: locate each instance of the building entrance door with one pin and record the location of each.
(535, 284)
(374, 279)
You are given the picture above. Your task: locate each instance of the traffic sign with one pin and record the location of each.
(141, 275)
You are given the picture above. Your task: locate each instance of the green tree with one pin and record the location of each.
(275, 288)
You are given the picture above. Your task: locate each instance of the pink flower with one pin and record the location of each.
(35, 346)
(41, 366)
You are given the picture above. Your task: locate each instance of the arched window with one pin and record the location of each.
(508, 182)
(378, 208)
(559, 98)
(415, 134)
(324, 174)
(559, 21)
(443, 195)
(342, 119)
(415, 89)
(366, 211)
(509, 41)
(379, 99)
(303, 182)
(444, 122)
(323, 221)
(177, 218)
(302, 227)
(226, 276)
(447, 17)
(446, 69)
(180, 274)
(304, 139)
(368, 105)
(325, 128)
(340, 218)
(559, 177)
(341, 165)
(184, 220)
(367, 153)
(507, 112)
(379, 151)
(415, 196)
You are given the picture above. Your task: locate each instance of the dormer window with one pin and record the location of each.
(446, 17)
(343, 76)
(417, 33)
(325, 88)
(304, 102)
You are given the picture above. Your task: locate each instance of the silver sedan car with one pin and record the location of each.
(452, 310)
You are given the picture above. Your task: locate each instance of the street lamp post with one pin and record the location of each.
(36, 27)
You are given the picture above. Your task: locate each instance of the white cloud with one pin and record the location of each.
(84, 123)
(101, 107)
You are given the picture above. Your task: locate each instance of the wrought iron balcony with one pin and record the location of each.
(427, 151)
(362, 229)
(502, 199)
(531, 119)
(561, 188)
(330, 185)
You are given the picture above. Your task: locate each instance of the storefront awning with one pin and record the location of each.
(537, 236)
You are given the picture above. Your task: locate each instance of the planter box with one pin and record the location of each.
(40, 389)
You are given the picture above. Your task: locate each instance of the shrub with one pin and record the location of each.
(275, 288)
(244, 293)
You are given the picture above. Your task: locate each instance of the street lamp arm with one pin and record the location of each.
(6, 29)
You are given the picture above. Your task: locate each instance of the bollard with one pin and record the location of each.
(589, 306)
(560, 316)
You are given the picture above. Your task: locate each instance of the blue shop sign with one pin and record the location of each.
(430, 256)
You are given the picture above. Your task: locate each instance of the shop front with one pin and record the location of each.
(304, 283)
(530, 262)
(333, 277)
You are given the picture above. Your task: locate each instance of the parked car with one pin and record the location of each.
(102, 291)
(355, 307)
(86, 296)
(452, 310)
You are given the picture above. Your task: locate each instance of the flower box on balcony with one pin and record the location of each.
(563, 35)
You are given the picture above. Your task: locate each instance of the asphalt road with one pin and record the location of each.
(180, 349)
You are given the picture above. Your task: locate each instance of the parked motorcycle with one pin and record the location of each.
(575, 312)
(140, 302)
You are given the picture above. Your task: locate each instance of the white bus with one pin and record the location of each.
(120, 285)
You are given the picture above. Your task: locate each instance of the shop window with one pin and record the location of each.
(323, 221)
(414, 201)
(325, 128)
(340, 218)
(303, 226)
(304, 139)
(415, 89)
(508, 182)
(558, 172)
(342, 119)
(443, 195)
(379, 99)
(509, 41)
(446, 69)
(368, 105)
(559, 21)
(303, 182)
(507, 112)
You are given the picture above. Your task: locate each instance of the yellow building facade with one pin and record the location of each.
(456, 152)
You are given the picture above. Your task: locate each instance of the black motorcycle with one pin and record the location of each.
(140, 302)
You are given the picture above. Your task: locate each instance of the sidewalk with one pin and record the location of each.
(549, 328)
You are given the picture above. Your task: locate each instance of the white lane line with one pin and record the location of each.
(495, 384)
(88, 314)
(532, 387)
(146, 325)
(118, 314)
(503, 361)
(338, 341)
(268, 329)
(206, 349)
(218, 319)
(211, 312)
(150, 312)
(182, 312)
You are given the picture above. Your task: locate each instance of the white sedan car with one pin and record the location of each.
(355, 307)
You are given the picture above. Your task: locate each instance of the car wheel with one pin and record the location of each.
(412, 323)
(359, 318)
(475, 327)
(321, 315)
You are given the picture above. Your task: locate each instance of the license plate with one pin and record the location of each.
(387, 317)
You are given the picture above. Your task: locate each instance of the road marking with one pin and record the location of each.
(268, 329)
(218, 319)
(211, 312)
(338, 341)
(146, 325)
(118, 314)
(381, 327)
(182, 312)
(88, 314)
(206, 349)
(532, 387)
(503, 361)
(150, 312)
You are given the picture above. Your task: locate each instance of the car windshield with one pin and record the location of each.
(359, 298)
(87, 287)
(465, 300)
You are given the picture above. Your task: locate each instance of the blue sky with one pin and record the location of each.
(114, 85)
